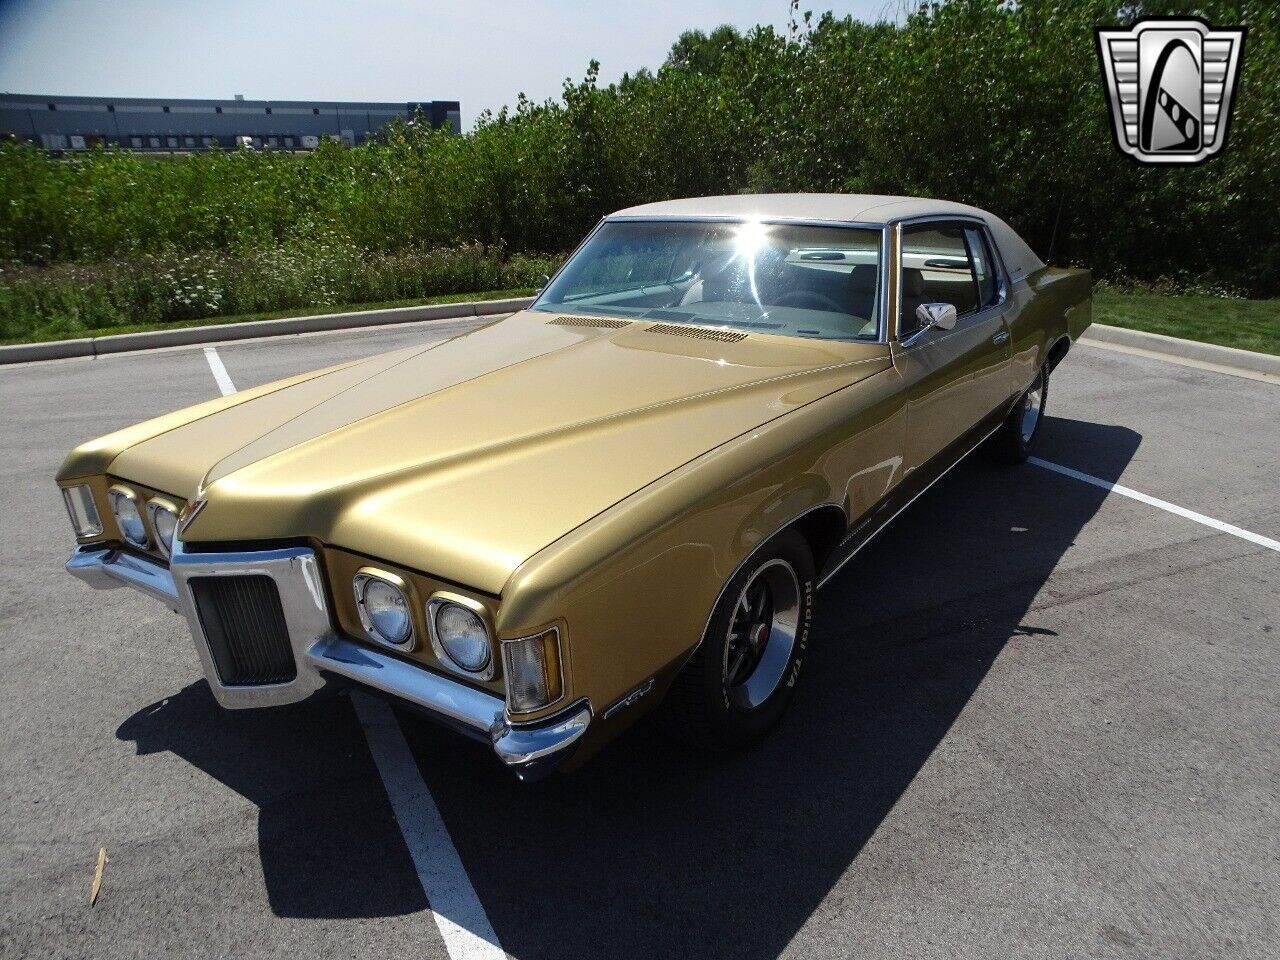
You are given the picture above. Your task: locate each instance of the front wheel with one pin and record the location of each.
(739, 681)
(1013, 439)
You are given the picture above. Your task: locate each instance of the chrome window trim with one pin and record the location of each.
(880, 226)
(737, 218)
(439, 599)
(1002, 275)
(560, 269)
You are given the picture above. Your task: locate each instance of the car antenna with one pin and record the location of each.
(1053, 237)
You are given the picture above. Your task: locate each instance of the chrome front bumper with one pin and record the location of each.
(321, 654)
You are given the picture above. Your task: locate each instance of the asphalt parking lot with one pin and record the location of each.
(1039, 720)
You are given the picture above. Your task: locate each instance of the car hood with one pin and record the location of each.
(464, 457)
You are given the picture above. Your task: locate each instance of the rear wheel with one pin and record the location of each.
(740, 680)
(1013, 439)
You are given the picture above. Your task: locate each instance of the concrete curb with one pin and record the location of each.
(253, 329)
(1264, 363)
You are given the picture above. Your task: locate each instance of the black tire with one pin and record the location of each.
(1012, 442)
(703, 708)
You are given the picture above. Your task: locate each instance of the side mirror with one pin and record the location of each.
(542, 286)
(940, 315)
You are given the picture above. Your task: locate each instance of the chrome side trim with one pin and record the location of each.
(854, 552)
(628, 699)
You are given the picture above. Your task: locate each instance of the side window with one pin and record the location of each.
(936, 268)
(983, 267)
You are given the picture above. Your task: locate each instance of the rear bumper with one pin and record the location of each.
(323, 656)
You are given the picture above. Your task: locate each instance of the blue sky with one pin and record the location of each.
(481, 52)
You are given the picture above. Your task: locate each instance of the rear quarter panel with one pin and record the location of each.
(1052, 303)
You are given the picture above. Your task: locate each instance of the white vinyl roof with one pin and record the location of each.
(1018, 258)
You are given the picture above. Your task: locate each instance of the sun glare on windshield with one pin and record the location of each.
(782, 278)
(747, 241)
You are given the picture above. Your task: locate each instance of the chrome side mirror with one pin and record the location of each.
(940, 315)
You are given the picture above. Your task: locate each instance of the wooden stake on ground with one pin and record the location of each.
(97, 876)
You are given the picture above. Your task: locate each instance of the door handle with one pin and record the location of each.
(1001, 337)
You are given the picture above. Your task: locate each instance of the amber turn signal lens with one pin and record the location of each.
(533, 673)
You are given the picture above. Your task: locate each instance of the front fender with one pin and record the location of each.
(636, 586)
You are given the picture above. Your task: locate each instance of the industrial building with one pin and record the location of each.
(169, 126)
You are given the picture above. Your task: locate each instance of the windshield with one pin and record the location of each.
(780, 278)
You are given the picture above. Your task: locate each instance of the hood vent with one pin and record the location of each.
(697, 333)
(604, 322)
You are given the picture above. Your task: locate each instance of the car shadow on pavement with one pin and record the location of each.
(328, 841)
(648, 850)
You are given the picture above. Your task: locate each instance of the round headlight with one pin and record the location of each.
(384, 610)
(164, 521)
(462, 635)
(124, 505)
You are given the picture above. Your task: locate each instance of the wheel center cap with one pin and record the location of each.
(759, 635)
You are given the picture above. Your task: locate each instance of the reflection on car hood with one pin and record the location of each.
(464, 457)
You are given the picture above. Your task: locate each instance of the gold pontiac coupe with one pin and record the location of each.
(625, 495)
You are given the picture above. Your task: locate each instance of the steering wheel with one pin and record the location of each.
(804, 298)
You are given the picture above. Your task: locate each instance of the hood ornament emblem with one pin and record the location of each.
(189, 513)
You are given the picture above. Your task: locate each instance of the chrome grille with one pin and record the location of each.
(697, 333)
(244, 626)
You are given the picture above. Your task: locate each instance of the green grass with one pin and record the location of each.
(1244, 324)
(275, 315)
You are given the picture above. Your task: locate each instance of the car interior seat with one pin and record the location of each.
(913, 294)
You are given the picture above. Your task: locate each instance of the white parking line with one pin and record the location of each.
(458, 912)
(1161, 504)
(219, 371)
(465, 927)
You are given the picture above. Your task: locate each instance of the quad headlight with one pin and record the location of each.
(460, 634)
(164, 523)
(82, 510)
(382, 600)
(124, 505)
(533, 673)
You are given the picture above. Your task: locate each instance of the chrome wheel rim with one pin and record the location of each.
(1032, 402)
(762, 635)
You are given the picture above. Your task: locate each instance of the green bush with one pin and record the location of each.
(65, 299)
(994, 103)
